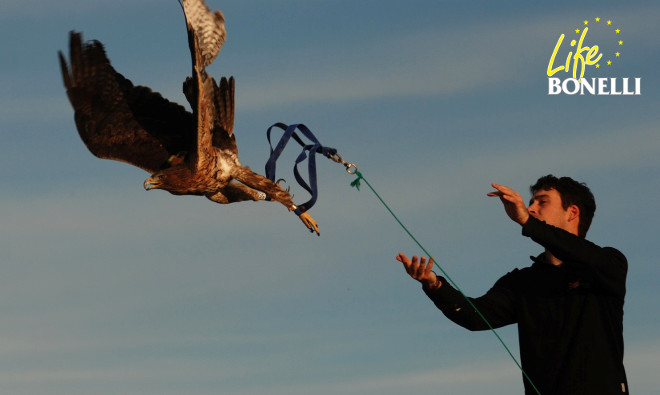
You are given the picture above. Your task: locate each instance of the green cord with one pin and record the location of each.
(356, 184)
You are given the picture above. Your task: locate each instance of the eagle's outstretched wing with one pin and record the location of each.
(117, 120)
(212, 103)
(207, 27)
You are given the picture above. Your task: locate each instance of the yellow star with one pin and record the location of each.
(620, 42)
(597, 19)
(617, 31)
(577, 31)
(586, 22)
(617, 54)
(609, 62)
(597, 65)
(609, 22)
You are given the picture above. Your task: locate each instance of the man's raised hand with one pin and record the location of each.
(513, 203)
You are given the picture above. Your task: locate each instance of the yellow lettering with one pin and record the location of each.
(592, 52)
(551, 71)
(578, 59)
(578, 55)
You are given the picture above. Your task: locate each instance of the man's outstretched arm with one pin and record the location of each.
(496, 304)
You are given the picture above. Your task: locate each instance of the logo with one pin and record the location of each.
(584, 54)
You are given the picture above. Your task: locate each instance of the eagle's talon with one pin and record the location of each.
(310, 223)
(288, 188)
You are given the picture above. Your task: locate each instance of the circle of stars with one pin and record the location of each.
(617, 31)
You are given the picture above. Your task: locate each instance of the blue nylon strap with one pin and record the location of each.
(308, 150)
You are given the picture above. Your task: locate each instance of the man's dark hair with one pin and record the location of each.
(572, 193)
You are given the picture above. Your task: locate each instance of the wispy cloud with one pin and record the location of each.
(430, 61)
(39, 9)
(106, 288)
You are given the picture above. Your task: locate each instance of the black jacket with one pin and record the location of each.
(570, 317)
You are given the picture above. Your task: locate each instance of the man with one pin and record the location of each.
(568, 304)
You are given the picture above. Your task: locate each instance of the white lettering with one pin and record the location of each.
(625, 87)
(614, 91)
(602, 85)
(576, 86)
(590, 88)
(595, 86)
(553, 86)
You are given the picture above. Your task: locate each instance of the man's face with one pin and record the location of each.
(546, 206)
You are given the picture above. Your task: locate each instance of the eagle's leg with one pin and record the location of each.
(236, 192)
(274, 191)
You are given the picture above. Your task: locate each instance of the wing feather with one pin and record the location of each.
(223, 130)
(117, 120)
(213, 103)
(208, 27)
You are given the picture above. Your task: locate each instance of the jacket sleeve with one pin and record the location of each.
(607, 266)
(496, 307)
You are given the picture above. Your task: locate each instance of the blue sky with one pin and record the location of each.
(107, 289)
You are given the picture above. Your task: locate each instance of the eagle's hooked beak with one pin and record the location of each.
(151, 183)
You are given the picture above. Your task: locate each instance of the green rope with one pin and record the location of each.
(356, 184)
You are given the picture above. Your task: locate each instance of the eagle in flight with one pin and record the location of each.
(185, 153)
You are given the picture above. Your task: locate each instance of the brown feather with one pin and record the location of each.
(117, 120)
(133, 124)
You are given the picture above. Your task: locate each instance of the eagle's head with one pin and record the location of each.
(176, 180)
